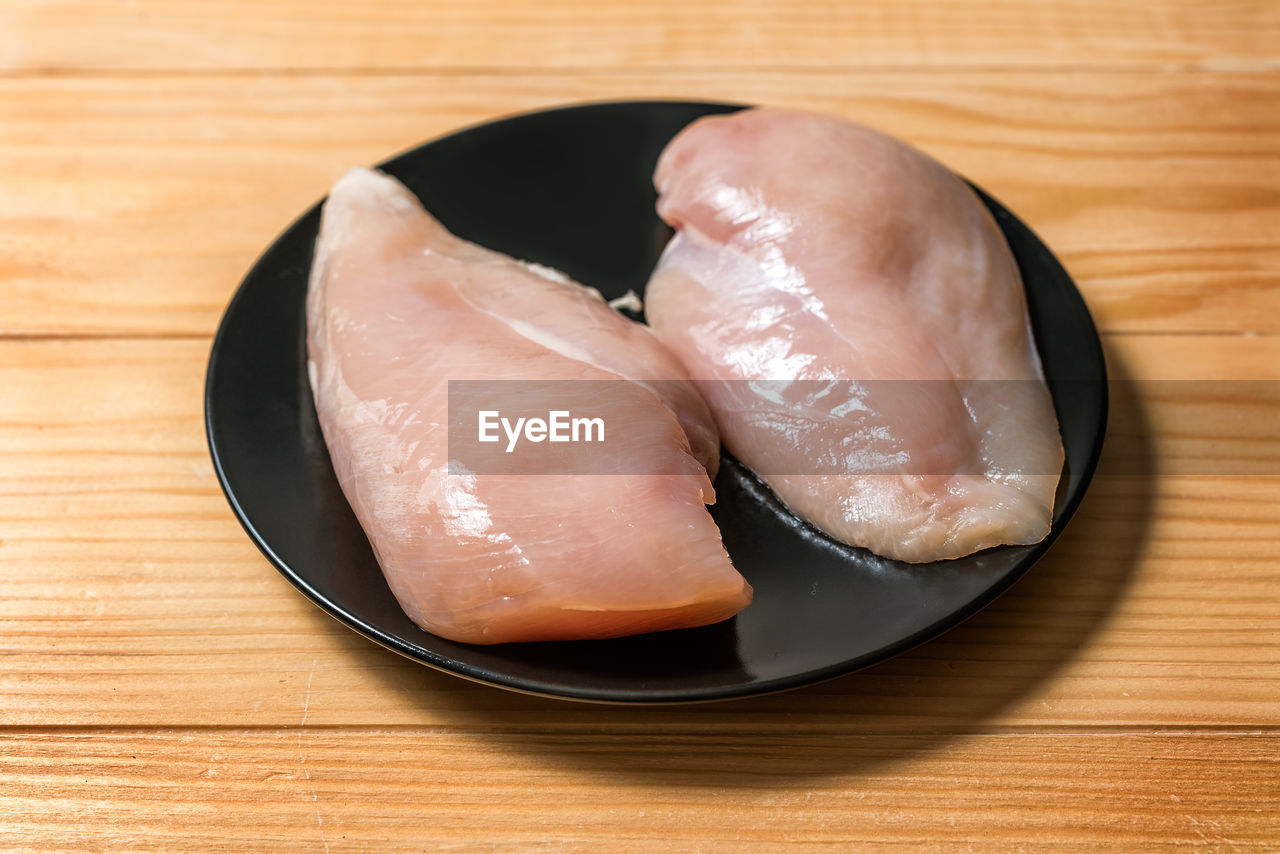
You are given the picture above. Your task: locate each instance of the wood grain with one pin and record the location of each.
(131, 596)
(163, 688)
(136, 209)
(84, 35)
(517, 791)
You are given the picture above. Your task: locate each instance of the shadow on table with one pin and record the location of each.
(959, 683)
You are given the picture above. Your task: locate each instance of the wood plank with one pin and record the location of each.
(162, 688)
(806, 790)
(88, 35)
(136, 209)
(131, 596)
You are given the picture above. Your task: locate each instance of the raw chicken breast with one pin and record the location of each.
(397, 307)
(856, 321)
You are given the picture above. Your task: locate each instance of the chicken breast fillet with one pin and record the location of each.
(856, 320)
(397, 308)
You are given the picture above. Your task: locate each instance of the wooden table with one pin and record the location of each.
(163, 688)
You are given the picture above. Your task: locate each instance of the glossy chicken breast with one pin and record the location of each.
(856, 321)
(396, 309)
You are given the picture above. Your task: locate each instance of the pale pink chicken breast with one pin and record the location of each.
(398, 307)
(856, 320)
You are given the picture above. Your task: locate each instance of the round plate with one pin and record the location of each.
(571, 189)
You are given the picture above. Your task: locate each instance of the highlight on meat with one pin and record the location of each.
(837, 307)
(397, 308)
(839, 298)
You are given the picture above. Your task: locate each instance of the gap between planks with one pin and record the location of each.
(524, 71)
(55, 337)
(722, 726)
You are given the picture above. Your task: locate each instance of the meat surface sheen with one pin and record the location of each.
(397, 307)
(856, 321)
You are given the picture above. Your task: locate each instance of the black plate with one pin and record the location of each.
(570, 188)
